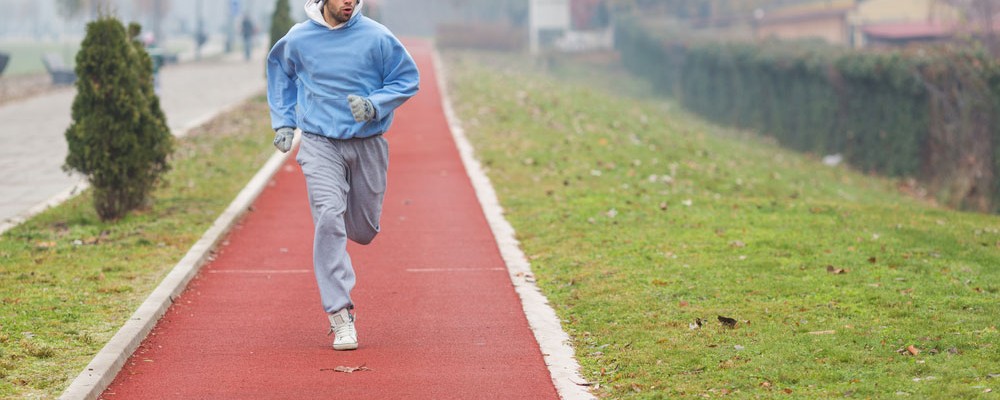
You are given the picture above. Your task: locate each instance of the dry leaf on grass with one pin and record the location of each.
(909, 350)
(834, 270)
(727, 322)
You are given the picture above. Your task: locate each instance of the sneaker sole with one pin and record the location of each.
(345, 346)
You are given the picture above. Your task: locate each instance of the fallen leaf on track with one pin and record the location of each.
(347, 370)
(834, 270)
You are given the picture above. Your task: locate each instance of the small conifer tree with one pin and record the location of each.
(281, 21)
(119, 138)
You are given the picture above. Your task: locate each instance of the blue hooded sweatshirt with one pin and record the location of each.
(314, 67)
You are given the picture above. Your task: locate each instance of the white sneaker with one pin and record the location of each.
(342, 325)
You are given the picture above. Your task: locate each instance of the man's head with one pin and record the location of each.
(339, 11)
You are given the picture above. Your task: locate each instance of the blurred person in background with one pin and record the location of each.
(248, 30)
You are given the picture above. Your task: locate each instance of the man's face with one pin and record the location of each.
(339, 10)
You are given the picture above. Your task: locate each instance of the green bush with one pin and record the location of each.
(119, 137)
(928, 114)
(281, 21)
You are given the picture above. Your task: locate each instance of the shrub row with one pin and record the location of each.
(928, 114)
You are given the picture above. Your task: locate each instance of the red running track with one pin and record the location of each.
(438, 317)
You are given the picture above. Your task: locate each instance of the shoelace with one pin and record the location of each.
(340, 331)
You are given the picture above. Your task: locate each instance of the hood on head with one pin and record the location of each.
(314, 9)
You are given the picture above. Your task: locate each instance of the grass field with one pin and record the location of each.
(645, 225)
(68, 281)
(26, 57)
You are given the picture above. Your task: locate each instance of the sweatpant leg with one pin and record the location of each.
(326, 175)
(367, 168)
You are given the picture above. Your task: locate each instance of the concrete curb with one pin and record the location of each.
(105, 366)
(56, 200)
(553, 341)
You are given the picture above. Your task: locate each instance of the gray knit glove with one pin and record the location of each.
(283, 138)
(362, 108)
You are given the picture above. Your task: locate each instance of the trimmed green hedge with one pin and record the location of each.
(927, 114)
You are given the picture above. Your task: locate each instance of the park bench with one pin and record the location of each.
(61, 74)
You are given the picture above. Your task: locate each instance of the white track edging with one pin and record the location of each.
(553, 341)
(108, 362)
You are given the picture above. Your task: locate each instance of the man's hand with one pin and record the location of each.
(283, 138)
(362, 108)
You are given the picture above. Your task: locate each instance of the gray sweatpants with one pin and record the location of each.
(346, 183)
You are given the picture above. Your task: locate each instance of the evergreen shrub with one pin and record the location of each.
(119, 137)
(281, 21)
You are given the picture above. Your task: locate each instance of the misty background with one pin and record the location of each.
(857, 79)
(31, 28)
(42, 20)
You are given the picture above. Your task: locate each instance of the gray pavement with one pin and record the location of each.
(32, 130)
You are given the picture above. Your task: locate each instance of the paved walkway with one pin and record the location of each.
(32, 131)
(438, 316)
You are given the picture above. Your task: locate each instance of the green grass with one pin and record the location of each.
(68, 281)
(26, 57)
(639, 218)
